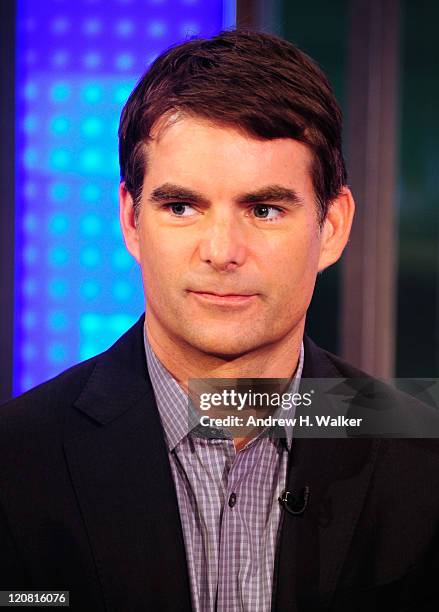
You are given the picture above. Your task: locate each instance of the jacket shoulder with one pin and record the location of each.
(42, 401)
(408, 414)
(47, 403)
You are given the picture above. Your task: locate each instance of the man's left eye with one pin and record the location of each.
(264, 211)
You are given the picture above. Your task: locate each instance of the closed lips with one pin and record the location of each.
(223, 294)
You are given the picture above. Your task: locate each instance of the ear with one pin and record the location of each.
(336, 228)
(128, 222)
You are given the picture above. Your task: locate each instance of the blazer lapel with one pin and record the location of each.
(119, 467)
(313, 545)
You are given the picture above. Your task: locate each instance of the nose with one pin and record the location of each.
(223, 245)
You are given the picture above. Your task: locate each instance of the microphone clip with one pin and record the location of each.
(295, 503)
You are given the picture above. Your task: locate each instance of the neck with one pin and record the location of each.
(276, 360)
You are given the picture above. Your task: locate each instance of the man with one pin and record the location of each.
(233, 197)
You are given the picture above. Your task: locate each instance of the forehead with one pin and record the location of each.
(207, 155)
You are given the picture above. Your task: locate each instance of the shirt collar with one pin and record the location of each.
(168, 393)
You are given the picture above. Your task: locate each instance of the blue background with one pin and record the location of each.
(76, 287)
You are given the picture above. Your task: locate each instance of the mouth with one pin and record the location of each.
(226, 299)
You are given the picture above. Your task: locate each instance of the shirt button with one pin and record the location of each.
(232, 500)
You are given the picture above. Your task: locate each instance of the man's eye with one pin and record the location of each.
(264, 211)
(180, 210)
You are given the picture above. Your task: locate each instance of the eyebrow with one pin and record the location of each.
(270, 193)
(169, 191)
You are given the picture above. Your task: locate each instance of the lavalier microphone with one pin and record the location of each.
(295, 503)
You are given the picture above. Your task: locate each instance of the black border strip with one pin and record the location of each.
(7, 193)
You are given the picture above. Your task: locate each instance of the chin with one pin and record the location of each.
(224, 345)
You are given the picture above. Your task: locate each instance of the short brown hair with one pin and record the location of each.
(253, 81)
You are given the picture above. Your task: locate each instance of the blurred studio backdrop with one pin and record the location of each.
(68, 288)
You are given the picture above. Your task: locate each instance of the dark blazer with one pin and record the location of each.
(88, 504)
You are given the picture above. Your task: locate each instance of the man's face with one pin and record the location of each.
(225, 214)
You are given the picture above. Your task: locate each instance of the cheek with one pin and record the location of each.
(162, 261)
(293, 271)
(297, 259)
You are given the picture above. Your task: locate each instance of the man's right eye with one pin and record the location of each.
(179, 209)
